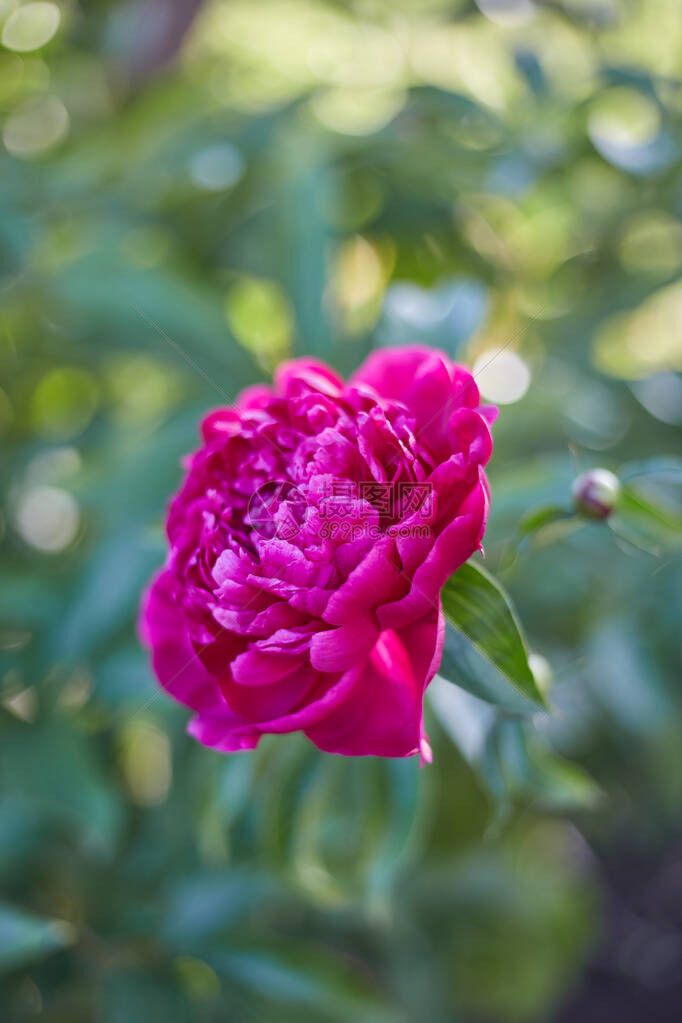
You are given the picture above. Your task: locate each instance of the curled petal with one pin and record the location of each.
(296, 375)
(427, 382)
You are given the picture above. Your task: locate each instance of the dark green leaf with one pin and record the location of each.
(76, 792)
(485, 651)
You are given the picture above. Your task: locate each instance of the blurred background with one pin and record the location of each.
(190, 192)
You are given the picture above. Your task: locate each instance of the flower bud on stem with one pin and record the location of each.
(596, 493)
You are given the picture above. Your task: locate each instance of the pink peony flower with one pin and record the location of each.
(308, 546)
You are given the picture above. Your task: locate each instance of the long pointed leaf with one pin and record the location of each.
(485, 651)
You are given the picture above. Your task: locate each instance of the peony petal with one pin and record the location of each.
(328, 631)
(339, 649)
(470, 436)
(382, 715)
(297, 375)
(177, 666)
(226, 731)
(257, 396)
(256, 668)
(372, 582)
(249, 621)
(222, 422)
(254, 703)
(427, 382)
(223, 732)
(452, 548)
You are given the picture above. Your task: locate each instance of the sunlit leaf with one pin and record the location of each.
(485, 651)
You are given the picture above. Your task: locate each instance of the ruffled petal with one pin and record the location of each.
(368, 585)
(427, 382)
(452, 548)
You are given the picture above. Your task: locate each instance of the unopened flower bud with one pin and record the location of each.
(596, 493)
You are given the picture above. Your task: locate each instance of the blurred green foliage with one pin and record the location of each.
(189, 193)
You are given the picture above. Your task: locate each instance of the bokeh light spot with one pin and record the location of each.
(53, 465)
(217, 168)
(507, 12)
(652, 244)
(502, 376)
(357, 111)
(47, 518)
(661, 396)
(197, 977)
(648, 339)
(146, 761)
(140, 389)
(623, 116)
(261, 319)
(31, 26)
(358, 273)
(35, 127)
(64, 402)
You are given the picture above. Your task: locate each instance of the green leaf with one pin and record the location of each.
(485, 651)
(75, 793)
(25, 937)
(207, 905)
(645, 522)
(540, 517)
(106, 595)
(306, 977)
(540, 527)
(532, 769)
(471, 723)
(509, 757)
(134, 993)
(649, 511)
(560, 785)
